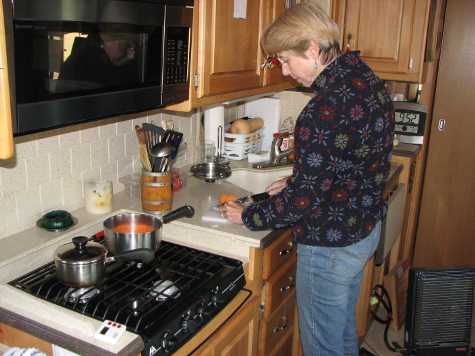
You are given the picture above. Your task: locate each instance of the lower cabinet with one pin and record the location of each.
(238, 336)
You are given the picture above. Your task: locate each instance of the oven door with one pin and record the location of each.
(81, 60)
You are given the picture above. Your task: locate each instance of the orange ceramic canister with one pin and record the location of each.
(157, 193)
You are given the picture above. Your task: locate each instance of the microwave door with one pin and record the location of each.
(76, 68)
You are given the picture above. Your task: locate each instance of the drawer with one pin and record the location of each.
(284, 348)
(279, 325)
(280, 285)
(278, 253)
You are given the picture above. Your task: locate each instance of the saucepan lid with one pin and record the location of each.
(80, 251)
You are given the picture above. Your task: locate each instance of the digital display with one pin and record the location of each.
(405, 117)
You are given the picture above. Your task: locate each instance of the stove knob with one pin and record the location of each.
(168, 341)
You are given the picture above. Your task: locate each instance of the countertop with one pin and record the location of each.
(29, 249)
(32, 248)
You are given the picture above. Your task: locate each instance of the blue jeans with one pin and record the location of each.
(328, 285)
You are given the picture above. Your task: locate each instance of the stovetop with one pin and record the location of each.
(166, 302)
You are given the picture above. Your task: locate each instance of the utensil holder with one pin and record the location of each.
(157, 194)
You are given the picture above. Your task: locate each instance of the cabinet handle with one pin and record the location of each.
(288, 286)
(286, 251)
(282, 327)
(442, 124)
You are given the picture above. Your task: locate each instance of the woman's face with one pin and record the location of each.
(301, 69)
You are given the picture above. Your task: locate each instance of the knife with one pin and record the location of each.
(253, 198)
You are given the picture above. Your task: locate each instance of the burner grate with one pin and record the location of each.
(140, 296)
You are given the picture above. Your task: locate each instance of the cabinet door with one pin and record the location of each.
(390, 34)
(238, 336)
(6, 133)
(230, 47)
(271, 9)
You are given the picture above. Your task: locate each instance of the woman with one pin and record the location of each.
(333, 202)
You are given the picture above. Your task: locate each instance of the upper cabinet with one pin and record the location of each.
(390, 34)
(227, 58)
(6, 133)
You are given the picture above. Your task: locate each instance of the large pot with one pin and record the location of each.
(128, 232)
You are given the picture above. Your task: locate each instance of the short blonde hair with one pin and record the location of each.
(299, 25)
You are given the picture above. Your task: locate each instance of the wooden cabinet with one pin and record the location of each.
(6, 133)
(278, 297)
(238, 337)
(226, 56)
(390, 34)
(14, 337)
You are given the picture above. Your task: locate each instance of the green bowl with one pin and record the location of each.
(56, 220)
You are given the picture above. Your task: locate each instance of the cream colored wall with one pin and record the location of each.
(49, 169)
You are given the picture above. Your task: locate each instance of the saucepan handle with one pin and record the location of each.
(185, 211)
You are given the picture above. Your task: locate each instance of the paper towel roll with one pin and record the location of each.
(213, 118)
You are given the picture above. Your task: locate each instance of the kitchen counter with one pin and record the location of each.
(27, 250)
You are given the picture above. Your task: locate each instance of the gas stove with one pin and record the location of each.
(166, 301)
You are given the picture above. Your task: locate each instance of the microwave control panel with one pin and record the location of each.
(177, 49)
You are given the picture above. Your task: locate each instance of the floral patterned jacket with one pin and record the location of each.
(343, 144)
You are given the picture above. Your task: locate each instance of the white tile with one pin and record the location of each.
(100, 154)
(125, 167)
(9, 221)
(89, 135)
(25, 150)
(125, 127)
(60, 164)
(80, 158)
(48, 145)
(72, 193)
(14, 179)
(70, 139)
(107, 131)
(155, 118)
(51, 196)
(38, 170)
(90, 175)
(131, 145)
(116, 148)
(140, 120)
(28, 206)
(109, 171)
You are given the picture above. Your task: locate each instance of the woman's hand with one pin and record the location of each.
(277, 186)
(232, 211)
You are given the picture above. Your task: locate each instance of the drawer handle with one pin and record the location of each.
(288, 286)
(286, 251)
(282, 327)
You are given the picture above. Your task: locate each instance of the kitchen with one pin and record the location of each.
(43, 175)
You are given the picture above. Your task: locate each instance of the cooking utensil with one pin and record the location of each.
(160, 153)
(249, 199)
(132, 231)
(81, 263)
(143, 153)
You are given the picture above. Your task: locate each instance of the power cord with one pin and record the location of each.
(380, 296)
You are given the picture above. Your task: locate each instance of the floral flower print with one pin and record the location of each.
(327, 113)
(314, 159)
(357, 112)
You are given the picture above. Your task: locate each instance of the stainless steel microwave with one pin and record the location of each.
(76, 60)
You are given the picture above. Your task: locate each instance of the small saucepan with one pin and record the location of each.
(82, 264)
(128, 232)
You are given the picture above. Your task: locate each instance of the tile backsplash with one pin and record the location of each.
(49, 169)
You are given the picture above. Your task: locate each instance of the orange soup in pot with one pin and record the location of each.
(128, 228)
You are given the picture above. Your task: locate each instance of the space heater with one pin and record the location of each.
(439, 311)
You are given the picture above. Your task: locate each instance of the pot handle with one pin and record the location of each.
(144, 255)
(185, 211)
